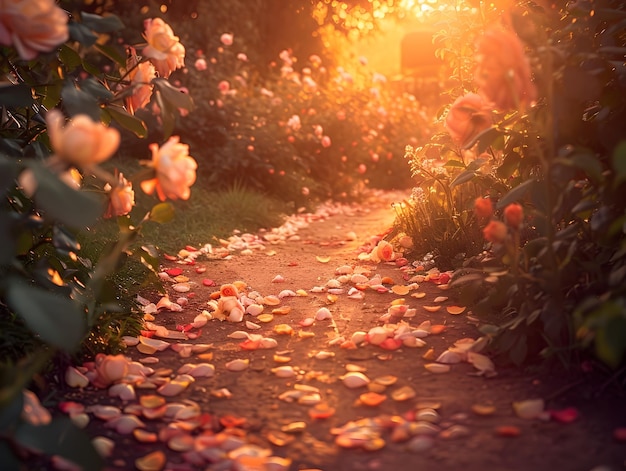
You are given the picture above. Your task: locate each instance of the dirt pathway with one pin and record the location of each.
(307, 394)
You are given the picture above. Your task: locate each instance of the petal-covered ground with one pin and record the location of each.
(316, 346)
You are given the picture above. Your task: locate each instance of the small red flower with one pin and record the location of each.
(495, 232)
(483, 208)
(514, 215)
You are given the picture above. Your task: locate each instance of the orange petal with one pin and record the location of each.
(321, 411)
(154, 461)
(400, 289)
(455, 310)
(372, 398)
(431, 308)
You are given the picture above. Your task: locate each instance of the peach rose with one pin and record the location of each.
(514, 215)
(81, 142)
(121, 198)
(229, 290)
(503, 71)
(175, 171)
(164, 49)
(467, 117)
(483, 208)
(109, 369)
(495, 232)
(383, 251)
(140, 75)
(32, 26)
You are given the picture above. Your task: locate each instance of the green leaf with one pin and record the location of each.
(8, 172)
(509, 165)
(16, 96)
(101, 24)
(62, 203)
(8, 458)
(10, 412)
(96, 89)
(126, 120)
(173, 96)
(61, 437)
(619, 162)
(168, 114)
(78, 102)
(112, 53)
(463, 177)
(56, 319)
(454, 163)
(70, 58)
(517, 193)
(149, 258)
(610, 341)
(80, 33)
(7, 239)
(162, 213)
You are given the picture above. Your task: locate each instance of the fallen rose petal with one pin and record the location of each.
(510, 431)
(238, 364)
(154, 461)
(74, 378)
(126, 392)
(125, 424)
(565, 416)
(437, 367)
(104, 446)
(529, 409)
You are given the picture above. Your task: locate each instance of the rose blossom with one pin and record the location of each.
(495, 232)
(226, 39)
(382, 252)
(200, 64)
(514, 215)
(483, 208)
(81, 142)
(140, 75)
(467, 116)
(326, 142)
(164, 49)
(503, 71)
(175, 170)
(229, 290)
(121, 198)
(32, 26)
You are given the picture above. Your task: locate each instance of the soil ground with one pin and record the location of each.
(461, 439)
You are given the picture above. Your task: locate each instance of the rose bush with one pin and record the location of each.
(62, 123)
(551, 162)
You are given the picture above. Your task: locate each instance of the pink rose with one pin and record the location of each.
(503, 71)
(164, 49)
(226, 39)
(326, 142)
(200, 64)
(81, 142)
(223, 86)
(121, 198)
(32, 26)
(175, 171)
(467, 117)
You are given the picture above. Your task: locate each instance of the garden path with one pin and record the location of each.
(293, 398)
